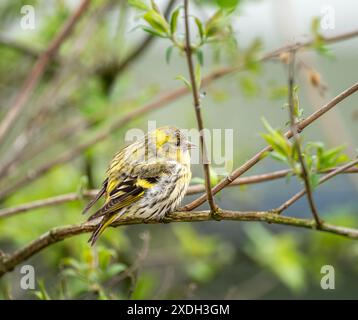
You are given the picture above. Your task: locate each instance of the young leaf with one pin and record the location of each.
(168, 54)
(277, 141)
(139, 4)
(214, 178)
(200, 56)
(186, 82)
(227, 3)
(156, 21)
(314, 180)
(154, 6)
(198, 76)
(174, 20)
(154, 32)
(212, 25)
(249, 86)
(315, 26)
(200, 28)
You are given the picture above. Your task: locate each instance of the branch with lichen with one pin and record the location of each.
(9, 261)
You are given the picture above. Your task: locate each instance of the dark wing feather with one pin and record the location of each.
(119, 200)
(97, 197)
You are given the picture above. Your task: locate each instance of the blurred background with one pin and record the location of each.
(87, 88)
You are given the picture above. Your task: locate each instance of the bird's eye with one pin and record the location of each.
(178, 140)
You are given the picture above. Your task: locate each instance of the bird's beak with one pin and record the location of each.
(191, 145)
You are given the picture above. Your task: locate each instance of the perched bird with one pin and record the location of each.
(147, 179)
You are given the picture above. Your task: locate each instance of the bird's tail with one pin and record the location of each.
(106, 221)
(96, 198)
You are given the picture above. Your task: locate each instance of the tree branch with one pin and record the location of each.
(9, 262)
(197, 108)
(261, 154)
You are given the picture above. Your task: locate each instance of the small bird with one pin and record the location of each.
(146, 180)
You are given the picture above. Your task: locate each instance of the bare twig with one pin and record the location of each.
(261, 154)
(326, 177)
(297, 139)
(197, 106)
(10, 261)
(38, 70)
(299, 45)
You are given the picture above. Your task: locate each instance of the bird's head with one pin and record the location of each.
(172, 143)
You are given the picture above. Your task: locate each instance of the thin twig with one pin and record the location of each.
(297, 138)
(38, 70)
(261, 154)
(326, 177)
(194, 189)
(197, 107)
(10, 261)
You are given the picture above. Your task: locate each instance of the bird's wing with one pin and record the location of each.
(123, 192)
(143, 177)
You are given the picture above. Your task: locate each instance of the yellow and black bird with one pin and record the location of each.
(146, 180)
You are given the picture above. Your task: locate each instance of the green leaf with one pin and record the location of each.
(212, 26)
(154, 32)
(200, 28)
(139, 4)
(315, 26)
(226, 4)
(198, 75)
(277, 140)
(279, 157)
(114, 269)
(200, 57)
(280, 254)
(42, 293)
(279, 92)
(314, 180)
(186, 82)
(324, 50)
(249, 86)
(214, 178)
(174, 20)
(156, 21)
(200, 271)
(168, 54)
(154, 6)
